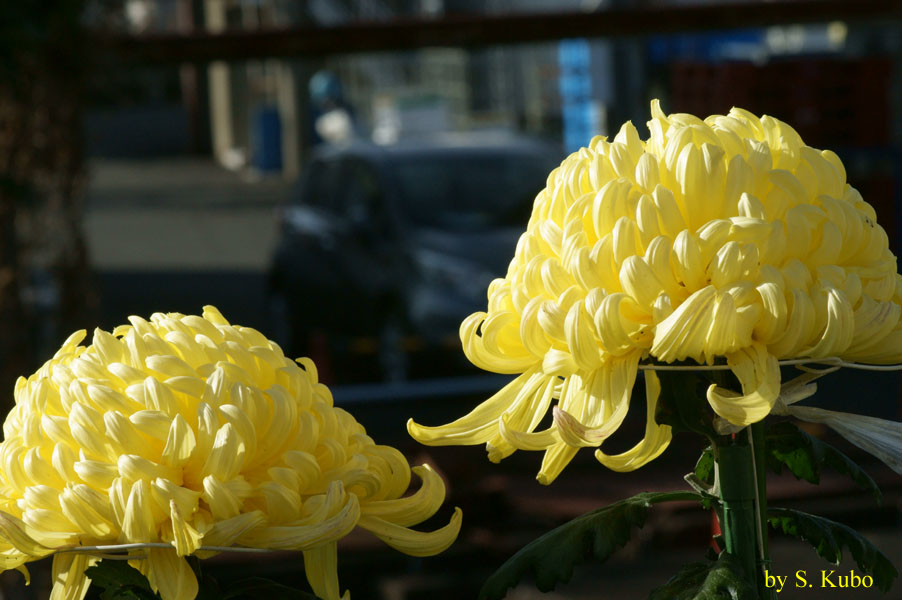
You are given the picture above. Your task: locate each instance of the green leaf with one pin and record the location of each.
(702, 479)
(685, 584)
(720, 580)
(829, 537)
(110, 573)
(207, 586)
(681, 404)
(120, 581)
(599, 533)
(259, 587)
(804, 455)
(704, 468)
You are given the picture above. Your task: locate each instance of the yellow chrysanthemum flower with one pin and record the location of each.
(187, 433)
(727, 237)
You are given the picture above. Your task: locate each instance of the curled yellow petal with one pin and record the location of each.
(85, 517)
(225, 532)
(759, 375)
(414, 543)
(608, 400)
(415, 508)
(684, 333)
(302, 537)
(556, 458)
(13, 531)
(657, 437)
(191, 432)
(478, 426)
(520, 434)
(726, 237)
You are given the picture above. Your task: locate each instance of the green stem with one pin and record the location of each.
(758, 441)
(738, 492)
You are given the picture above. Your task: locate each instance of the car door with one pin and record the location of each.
(308, 259)
(339, 248)
(369, 251)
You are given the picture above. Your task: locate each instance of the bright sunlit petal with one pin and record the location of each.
(723, 238)
(195, 433)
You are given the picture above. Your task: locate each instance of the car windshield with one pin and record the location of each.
(470, 192)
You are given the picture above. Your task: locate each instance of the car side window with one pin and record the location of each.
(363, 200)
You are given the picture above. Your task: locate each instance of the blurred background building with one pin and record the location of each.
(158, 155)
(239, 95)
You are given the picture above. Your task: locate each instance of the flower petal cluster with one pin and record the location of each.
(726, 237)
(192, 432)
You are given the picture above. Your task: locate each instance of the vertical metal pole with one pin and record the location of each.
(218, 73)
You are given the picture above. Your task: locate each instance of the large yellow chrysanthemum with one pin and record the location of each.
(727, 237)
(188, 433)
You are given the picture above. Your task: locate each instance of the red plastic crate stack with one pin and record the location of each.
(839, 104)
(830, 102)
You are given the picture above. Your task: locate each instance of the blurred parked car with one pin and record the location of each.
(385, 249)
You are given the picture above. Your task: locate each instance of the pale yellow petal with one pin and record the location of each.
(138, 524)
(321, 568)
(225, 532)
(84, 516)
(185, 538)
(170, 366)
(759, 374)
(657, 437)
(180, 443)
(227, 455)
(528, 440)
(303, 537)
(223, 502)
(839, 329)
(486, 357)
(13, 531)
(169, 574)
(608, 400)
(415, 508)
(477, 427)
(683, 334)
(68, 575)
(283, 504)
(524, 414)
(556, 458)
(874, 321)
(414, 543)
(520, 434)
(153, 423)
(95, 473)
